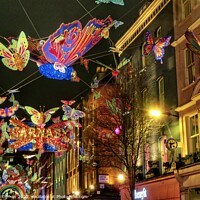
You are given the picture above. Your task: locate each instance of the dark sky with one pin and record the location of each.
(41, 18)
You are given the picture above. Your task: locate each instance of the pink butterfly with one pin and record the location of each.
(157, 46)
(68, 102)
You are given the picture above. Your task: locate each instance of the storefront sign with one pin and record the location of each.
(141, 194)
(103, 178)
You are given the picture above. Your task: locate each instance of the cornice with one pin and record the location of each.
(192, 27)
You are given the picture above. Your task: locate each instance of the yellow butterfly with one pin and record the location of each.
(16, 56)
(40, 118)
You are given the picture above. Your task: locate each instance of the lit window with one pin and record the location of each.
(189, 66)
(161, 92)
(194, 134)
(186, 5)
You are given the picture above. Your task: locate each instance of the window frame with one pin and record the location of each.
(189, 67)
(161, 92)
(186, 6)
(194, 137)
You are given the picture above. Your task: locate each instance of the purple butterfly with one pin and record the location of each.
(71, 113)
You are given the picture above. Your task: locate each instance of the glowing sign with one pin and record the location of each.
(141, 194)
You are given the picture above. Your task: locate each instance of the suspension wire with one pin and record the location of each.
(29, 18)
(87, 12)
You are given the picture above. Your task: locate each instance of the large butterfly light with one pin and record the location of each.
(157, 46)
(66, 46)
(40, 118)
(194, 42)
(16, 55)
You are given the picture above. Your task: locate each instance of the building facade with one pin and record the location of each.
(187, 17)
(162, 151)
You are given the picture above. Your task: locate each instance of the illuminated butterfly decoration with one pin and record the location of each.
(115, 72)
(112, 105)
(40, 118)
(106, 31)
(85, 63)
(68, 102)
(16, 56)
(71, 113)
(67, 45)
(156, 45)
(194, 42)
(2, 99)
(8, 111)
(64, 123)
(4, 134)
(97, 95)
(13, 100)
(118, 2)
(29, 162)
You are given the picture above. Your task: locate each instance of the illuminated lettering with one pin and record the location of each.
(141, 194)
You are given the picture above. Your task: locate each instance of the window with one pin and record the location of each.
(144, 97)
(161, 92)
(189, 66)
(186, 7)
(194, 134)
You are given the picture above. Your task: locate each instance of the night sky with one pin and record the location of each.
(41, 18)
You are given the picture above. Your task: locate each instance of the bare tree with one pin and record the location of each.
(121, 127)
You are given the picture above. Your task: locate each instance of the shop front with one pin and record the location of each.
(163, 188)
(189, 179)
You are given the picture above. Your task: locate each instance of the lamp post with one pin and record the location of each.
(171, 143)
(96, 165)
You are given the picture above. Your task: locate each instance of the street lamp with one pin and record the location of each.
(121, 178)
(158, 113)
(155, 113)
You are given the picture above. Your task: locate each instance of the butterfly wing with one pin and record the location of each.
(70, 42)
(76, 114)
(118, 2)
(56, 120)
(192, 39)
(68, 111)
(11, 110)
(123, 63)
(2, 99)
(158, 48)
(194, 43)
(48, 113)
(97, 95)
(149, 44)
(2, 113)
(35, 115)
(8, 59)
(22, 43)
